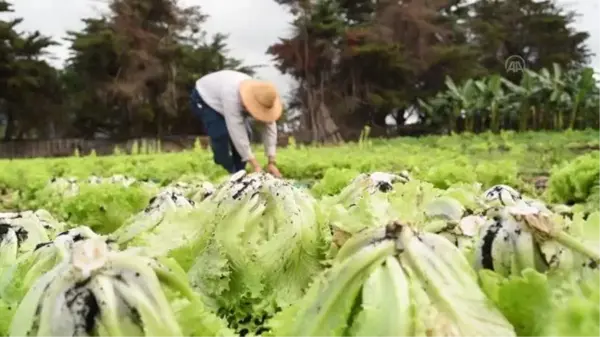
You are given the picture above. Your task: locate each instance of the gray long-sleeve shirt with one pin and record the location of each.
(220, 90)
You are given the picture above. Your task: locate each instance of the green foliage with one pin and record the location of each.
(103, 208)
(30, 90)
(531, 301)
(333, 181)
(542, 100)
(510, 158)
(576, 181)
(268, 258)
(131, 69)
(388, 56)
(542, 35)
(129, 74)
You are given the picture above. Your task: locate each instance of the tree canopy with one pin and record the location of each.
(129, 74)
(370, 59)
(355, 63)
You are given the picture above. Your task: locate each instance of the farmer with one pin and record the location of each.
(224, 101)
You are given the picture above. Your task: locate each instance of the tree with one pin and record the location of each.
(371, 58)
(309, 57)
(356, 63)
(132, 70)
(368, 60)
(29, 87)
(537, 30)
(91, 69)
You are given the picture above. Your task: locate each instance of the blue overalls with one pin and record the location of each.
(224, 152)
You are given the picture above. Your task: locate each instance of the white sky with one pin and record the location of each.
(252, 25)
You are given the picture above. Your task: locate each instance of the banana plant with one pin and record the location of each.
(490, 97)
(526, 96)
(556, 99)
(581, 92)
(546, 99)
(465, 100)
(438, 109)
(589, 108)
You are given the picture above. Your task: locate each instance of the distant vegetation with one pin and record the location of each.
(355, 63)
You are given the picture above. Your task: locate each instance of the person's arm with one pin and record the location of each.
(237, 129)
(270, 140)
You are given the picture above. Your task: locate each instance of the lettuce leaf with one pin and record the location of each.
(539, 305)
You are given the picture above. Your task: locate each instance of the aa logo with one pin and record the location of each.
(514, 64)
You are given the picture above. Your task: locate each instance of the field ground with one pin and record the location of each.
(254, 256)
(522, 160)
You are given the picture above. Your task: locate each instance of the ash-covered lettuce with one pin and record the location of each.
(17, 278)
(520, 236)
(47, 255)
(168, 200)
(250, 247)
(99, 291)
(63, 186)
(194, 186)
(394, 281)
(363, 203)
(21, 232)
(267, 242)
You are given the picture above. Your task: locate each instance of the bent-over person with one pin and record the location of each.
(225, 101)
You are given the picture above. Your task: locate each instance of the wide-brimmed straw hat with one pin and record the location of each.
(261, 100)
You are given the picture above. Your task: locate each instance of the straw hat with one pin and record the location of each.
(261, 100)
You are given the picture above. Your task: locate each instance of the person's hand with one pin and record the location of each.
(271, 168)
(255, 165)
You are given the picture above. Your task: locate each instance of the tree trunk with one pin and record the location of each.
(330, 130)
(495, 121)
(159, 118)
(10, 126)
(453, 118)
(573, 116)
(524, 117)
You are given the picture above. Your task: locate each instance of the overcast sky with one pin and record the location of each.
(252, 25)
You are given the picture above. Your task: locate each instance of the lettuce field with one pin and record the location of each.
(462, 235)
